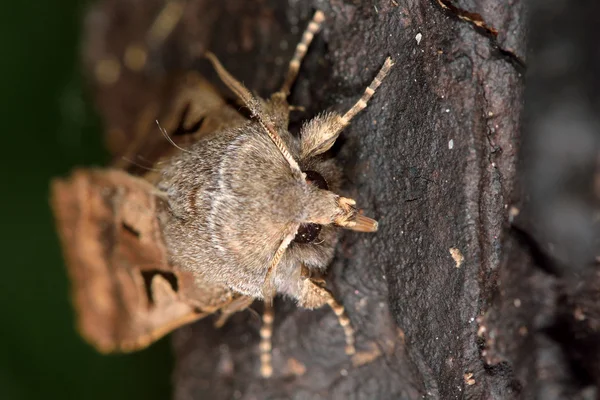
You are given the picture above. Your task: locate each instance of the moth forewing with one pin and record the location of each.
(125, 291)
(188, 109)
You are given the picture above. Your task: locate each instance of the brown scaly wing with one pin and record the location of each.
(125, 292)
(191, 109)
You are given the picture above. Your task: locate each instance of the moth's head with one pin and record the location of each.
(314, 231)
(323, 207)
(308, 232)
(311, 202)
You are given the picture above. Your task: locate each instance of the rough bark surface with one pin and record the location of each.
(433, 157)
(448, 299)
(544, 318)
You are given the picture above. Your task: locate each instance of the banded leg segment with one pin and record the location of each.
(277, 104)
(314, 296)
(165, 22)
(344, 322)
(319, 134)
(309, 33)
(361, 104)
(266, 341)
(136, 55)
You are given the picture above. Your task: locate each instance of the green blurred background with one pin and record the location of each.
(49, 127)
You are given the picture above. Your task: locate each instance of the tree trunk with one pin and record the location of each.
(482, 271)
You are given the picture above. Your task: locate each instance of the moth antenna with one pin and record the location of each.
(160, 193)
(322, 131)
(344, 322)
(294, 67)
(266, 341)
(369, 91)
(254, 106)
(136, 55)
(166, 135)
(268, 289)
(233, 84)
(165, 22)
(139, 165)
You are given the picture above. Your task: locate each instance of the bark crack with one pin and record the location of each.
(485, 29)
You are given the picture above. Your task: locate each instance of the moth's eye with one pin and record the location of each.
(316, 179)
(307, 233)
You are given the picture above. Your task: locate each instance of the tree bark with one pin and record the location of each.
(433, 158)
(481, 282)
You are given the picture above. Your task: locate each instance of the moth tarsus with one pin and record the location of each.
(266, 340)
(301, 48)
(242, 212)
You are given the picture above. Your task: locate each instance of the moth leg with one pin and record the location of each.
(165, 22)
(136, 55)
(239, 304)
(313, 295)
(266, 341)
(301, 48)
(320, 133)
(277, 104)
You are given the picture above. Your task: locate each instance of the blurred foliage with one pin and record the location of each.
(49, 127)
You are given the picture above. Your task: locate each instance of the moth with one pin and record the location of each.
(241, 210)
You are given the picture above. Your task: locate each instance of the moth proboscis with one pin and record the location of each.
(243, 211)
